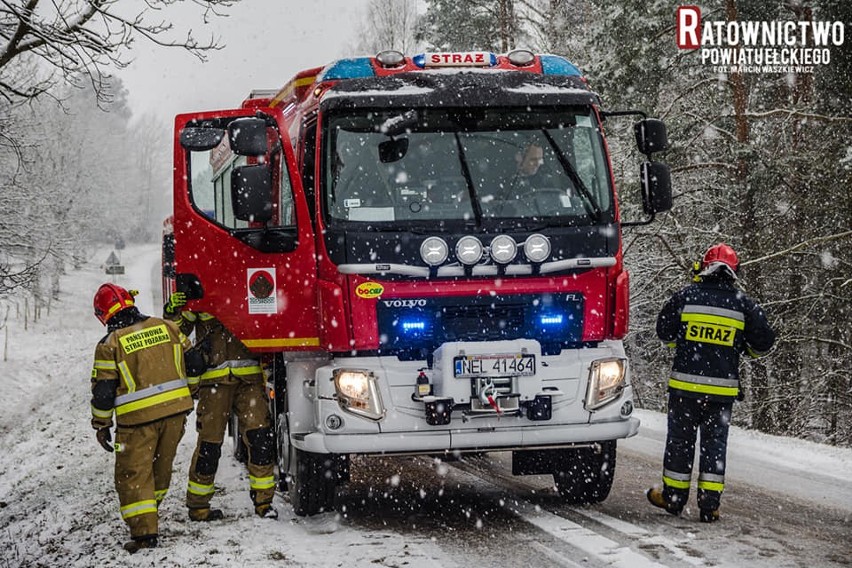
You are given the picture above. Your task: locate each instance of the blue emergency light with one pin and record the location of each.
(413, 325)
(555, 65)
(551, 320)
(353, 68)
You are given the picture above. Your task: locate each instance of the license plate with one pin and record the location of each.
(494, 366)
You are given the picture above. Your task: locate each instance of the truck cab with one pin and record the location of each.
(427, 252)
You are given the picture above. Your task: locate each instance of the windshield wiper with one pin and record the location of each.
(591, 206)
(477, 207)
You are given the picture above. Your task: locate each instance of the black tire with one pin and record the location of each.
(585, 475)
(240, 449)
(313, 482)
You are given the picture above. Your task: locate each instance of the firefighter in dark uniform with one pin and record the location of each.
(709, 323)
(232, 382)
(139, 375)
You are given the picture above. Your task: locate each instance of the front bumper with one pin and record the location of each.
(326, 427)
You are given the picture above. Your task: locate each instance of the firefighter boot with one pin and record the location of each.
(140, 542)
(265, 511)
(709, 515)
(655, 497)
(205, 515)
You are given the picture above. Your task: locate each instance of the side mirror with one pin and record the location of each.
(247, 136)
(198, 139)
(393, 150)
(251, 192)
(651, 136)
(656, 187)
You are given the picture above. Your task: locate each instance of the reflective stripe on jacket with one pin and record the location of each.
(710, 324)
(143, 364)
(228, 359)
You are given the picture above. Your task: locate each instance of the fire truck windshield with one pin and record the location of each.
(478, 165)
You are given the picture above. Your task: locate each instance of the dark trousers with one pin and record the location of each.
(688, 415)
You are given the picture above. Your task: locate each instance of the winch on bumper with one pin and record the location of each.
(477, 396)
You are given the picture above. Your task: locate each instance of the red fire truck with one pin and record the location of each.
(426, 254)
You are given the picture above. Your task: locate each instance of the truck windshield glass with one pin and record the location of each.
(467, 165)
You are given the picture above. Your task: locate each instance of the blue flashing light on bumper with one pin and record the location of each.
(551, 320)
(413, 326)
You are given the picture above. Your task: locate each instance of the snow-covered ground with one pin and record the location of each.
(58, 506)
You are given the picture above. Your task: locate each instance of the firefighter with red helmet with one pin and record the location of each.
(709, 323)
(139, 375)
(233, 382)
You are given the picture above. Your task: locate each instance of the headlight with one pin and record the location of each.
(606, 382)
(503, 249)
(358, 393)
(537, 248)
(469, 250)
(434, 251)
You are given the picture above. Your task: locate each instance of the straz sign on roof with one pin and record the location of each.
(460, 59)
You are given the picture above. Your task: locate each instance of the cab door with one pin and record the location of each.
(244, 249)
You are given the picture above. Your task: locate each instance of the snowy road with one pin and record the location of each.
(789, 502)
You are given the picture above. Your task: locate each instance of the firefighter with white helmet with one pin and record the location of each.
(709, 323)
(139, 375)
(232, 382)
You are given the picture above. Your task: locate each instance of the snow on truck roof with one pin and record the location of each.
(460, 88)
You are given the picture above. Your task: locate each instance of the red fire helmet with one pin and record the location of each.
(721, 253)
(109, 300)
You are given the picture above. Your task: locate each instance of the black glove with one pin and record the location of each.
(105, 439)
(741, 394)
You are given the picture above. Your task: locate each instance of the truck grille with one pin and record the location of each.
(555, 320)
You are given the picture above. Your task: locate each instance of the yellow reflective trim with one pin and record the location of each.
(716, 320)
(671, 345)
(704, 389)
(205, 316)
(127, 376)
(677, 484)
(215, 374)
(261, 482)
(160, 494)
(178, 351)
(119, 306)
(188, 316)
(152, 400)
(199, 489)
(711, 486)
(242, 371)
(139, 508)
(290, 342)
(193, 380)
(98, 413)
(104, 364)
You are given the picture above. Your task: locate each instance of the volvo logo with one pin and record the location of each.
(404, 303)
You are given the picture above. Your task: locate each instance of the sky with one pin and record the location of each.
(58, 506)
(266, 43)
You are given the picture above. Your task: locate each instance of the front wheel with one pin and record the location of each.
(312, 483)
(585, 475)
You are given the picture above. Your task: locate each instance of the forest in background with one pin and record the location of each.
(762, 161)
